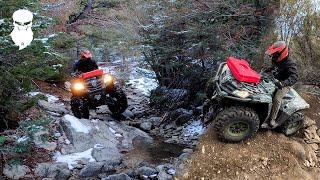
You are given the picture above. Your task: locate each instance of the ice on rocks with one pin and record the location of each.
(73, 159)
(76, 124)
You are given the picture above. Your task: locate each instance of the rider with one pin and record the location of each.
(85, 64)
(285, 73)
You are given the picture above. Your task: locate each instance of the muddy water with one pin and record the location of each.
(155, 153)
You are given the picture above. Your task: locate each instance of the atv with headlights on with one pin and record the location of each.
(240, 102)
(92, 89)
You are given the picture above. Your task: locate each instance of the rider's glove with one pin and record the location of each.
(279, 84)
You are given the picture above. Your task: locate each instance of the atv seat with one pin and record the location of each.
(94, 73)
(242, 71)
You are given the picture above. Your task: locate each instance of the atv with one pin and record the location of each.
(240, 102)
(92, 89)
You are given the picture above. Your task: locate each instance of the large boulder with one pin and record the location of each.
(15, 171)
(52, 107)
(99, 140)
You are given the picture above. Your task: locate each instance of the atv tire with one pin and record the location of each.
(79, 109)
(293, 124)
(236, 124)
(118, 102)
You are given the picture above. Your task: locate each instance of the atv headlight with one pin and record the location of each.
(78, 86)
(241, 94)
(107, 79)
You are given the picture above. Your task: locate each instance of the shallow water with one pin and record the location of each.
(155, 153)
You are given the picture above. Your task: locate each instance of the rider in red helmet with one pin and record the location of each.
(85, 64)
(285, 72)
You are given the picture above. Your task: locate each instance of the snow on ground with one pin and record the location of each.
(72, 159)
(196, 127)
(76, 124)
(23, 139)
(51, 98)
(141, 79)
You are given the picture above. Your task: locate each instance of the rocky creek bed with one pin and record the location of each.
(143, 144)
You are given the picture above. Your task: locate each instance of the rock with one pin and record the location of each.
(103, 110)
(91, 169)
(103, 140)
(146, 171)
(52, 107)
(121, 176)
(171, 171)
(129, 114)
(187, 151)
(308, 122)
(184, 156)
(183, 119)
(110, 155)
(15, 171)
(156, 121)
(165, 97)
(40, 143)
(311, 135)
(55, 170)
(146, 126)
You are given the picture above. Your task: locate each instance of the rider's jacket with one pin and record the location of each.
(286, 72)
(85, 65)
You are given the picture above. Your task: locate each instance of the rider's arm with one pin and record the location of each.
(293, 75)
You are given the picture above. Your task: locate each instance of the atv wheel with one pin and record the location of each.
(79, 109)
(236, 124)
(293, 124)
(118, 102)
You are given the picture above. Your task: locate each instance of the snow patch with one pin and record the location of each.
(72, 159)
(144, 85)
(51, 98)
(196, 127)
(77, 125)
(23, 139)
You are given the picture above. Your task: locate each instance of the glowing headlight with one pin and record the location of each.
(78, 86)
(107, 79)
(241, 94)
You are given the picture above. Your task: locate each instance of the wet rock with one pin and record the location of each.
(146, 171)
(121, 176)
(15, 171)
(55, 170)
(146, 126)
(91, 169)
(52, 107)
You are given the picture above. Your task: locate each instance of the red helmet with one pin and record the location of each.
(279, 51)
(86, 54)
